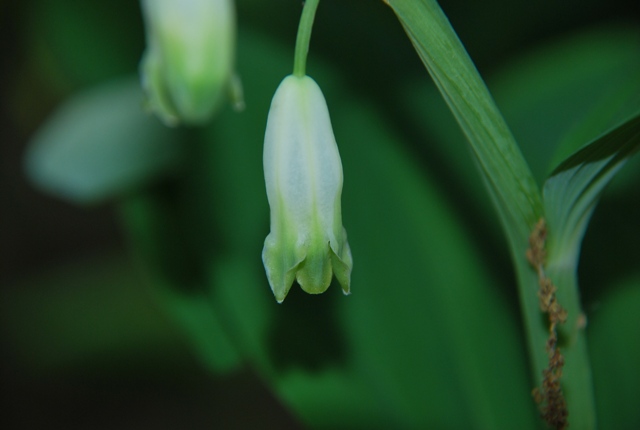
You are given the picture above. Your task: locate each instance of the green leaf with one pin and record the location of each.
(86, 316)
(73, 45)
(499, 159)
(99, 144)
(615, 350)
(570, 194)
(621, 103)
(511, 185)
(175, 270)
(415, 311)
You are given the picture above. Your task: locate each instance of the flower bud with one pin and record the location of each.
(303, 175)
(188, 63)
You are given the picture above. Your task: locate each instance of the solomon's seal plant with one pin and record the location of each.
(303, 176)
(432, 341)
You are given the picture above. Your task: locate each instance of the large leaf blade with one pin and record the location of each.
(615, 350)
(504, 171)
(455, 75)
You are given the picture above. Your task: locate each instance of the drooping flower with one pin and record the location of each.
(303, 175)
(188, 64)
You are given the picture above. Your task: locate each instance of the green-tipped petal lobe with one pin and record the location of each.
(342, 263)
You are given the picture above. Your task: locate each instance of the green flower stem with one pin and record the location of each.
(304, 36)
(510, 183)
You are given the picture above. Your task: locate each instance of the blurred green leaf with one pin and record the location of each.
(78, 44)
(613, 227)
(86, 316)
(99, 144)
(174, 268)
(416, 312)
(615, 353)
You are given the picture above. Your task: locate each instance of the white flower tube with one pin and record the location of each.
(188, 65)
(303, 175)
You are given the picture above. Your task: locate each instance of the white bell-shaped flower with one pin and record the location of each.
(303, 175)
(188, 65)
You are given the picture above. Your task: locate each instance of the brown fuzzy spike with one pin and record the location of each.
(549, 396)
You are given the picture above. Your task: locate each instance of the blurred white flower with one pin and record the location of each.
(188, 65)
